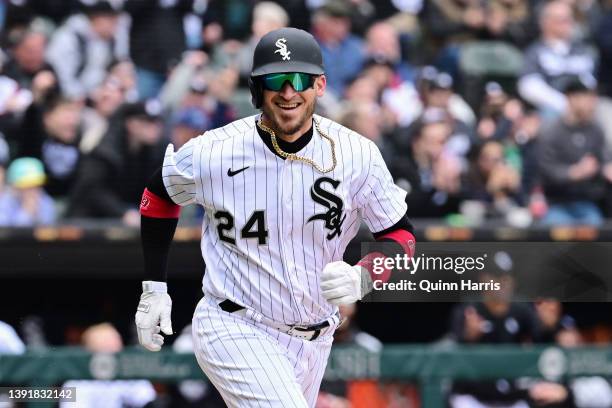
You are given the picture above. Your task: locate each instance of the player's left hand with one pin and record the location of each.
(153, 315)
(342, 283)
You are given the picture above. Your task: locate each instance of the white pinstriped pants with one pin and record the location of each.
(253, 365)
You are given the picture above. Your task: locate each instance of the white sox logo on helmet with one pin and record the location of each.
(281, 44)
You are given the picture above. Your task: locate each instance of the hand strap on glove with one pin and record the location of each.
(154, 286)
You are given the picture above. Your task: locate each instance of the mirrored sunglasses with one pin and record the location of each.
(298, 80)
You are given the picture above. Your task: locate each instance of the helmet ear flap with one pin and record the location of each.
(256, 92)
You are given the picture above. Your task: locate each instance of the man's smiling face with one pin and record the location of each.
(290, 112)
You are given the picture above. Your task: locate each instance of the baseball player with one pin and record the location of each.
(284, 192)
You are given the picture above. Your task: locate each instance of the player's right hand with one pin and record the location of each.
(153, 315)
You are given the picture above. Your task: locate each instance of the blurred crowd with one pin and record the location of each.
(485, 111)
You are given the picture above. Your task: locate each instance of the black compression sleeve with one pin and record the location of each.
(156, 234)
(404, 223)
(156, 185)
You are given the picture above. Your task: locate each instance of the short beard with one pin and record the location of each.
(278, 129)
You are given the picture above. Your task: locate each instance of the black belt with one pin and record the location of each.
(231, 307)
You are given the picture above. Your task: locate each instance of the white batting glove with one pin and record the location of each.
(342, 283)
(153, 315)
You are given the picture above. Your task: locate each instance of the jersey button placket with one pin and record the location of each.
(287, 180)
(291, 185)
(287, 205)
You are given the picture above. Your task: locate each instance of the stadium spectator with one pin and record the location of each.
(343, 53)
(157, 40)
(108, 96)
(187, 75)
(435, 94)
(26, 46)
(573, 167)
(193, 84)
(51, 132)
(366, 119)
(25, 74)
(496, 318)
(383, 47)
(516, 125)
(104, 338)
(123, 70)
(498, 113)
(363, 88)
(114, 174)
(525, 132)
(426, 170)
(26, 77)
(432, 89)
(24, 203)
(493, 181)
(556, 327)
(437, 90)
(267, 16)
(81, 50)
(188, 123)
(388, 88)
(383, 41)
(103, 102)
(552, 58)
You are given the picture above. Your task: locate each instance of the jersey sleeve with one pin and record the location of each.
(178, 174)
(382, 203)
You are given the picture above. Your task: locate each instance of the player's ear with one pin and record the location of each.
(320, 84)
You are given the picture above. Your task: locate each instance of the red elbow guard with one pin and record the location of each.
(152, 205)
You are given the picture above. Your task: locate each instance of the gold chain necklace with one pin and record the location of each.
(295, 157)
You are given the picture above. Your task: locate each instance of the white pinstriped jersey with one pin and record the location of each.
(271, 225)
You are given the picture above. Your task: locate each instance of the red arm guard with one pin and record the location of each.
(152, 205)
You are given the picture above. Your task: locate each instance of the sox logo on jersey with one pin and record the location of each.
(334, 216)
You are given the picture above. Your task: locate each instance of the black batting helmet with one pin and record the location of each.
(284, 50)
